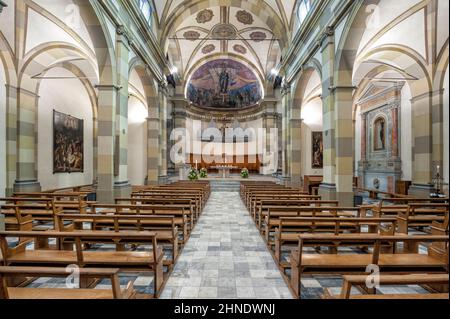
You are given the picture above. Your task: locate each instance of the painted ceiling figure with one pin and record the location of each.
(224, 81)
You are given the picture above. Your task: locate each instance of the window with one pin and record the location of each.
(147, 10)
(303, 10)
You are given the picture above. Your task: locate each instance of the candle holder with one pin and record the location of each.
(437, 182)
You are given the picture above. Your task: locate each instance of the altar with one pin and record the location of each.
(224, 170)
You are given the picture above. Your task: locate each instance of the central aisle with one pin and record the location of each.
(226, 257)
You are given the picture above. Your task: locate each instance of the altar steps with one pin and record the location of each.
(225, 185)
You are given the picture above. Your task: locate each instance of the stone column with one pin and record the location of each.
(270, 125)
(107, 95)
(162, 100)
(26, 176)
(296, 152)
(438, 132)
(286, 106)
(11, 138)
(153, 129)
(121, 184)
(423, 146)
(344, 144)
(328, 187)
(179, 122)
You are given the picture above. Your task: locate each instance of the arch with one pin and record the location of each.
(147, 80)
(441, 67)
(352, 35)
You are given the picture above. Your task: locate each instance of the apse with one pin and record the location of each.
(224, 84)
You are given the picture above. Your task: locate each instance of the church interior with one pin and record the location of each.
(224, 149)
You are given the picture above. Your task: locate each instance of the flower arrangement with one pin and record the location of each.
(245, 173)
(193, 175)
(203, 173)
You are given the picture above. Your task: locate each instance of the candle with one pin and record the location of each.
(196, 165)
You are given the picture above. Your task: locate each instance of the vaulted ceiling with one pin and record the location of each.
(252, 31)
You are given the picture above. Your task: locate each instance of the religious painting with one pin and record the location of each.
(68, 144)
(317, 150)
(379, 134)
(224, 83)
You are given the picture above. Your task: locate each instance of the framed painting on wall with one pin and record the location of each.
(68, 144)
(317, 150)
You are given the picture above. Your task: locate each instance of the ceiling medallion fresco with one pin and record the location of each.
(240, 49)
(224, 32)
(224, 83)
(258, 36)
(208, 49)
(191, 35)
(205, 16)
(244, 17)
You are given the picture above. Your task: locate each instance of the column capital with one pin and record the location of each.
(327, 37)
(286, 89)
(2, 5)
(123, 32)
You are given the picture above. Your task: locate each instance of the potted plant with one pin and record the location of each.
(193, 175)
(203, 173)
(245, 173)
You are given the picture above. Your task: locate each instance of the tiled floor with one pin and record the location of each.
(226, 257)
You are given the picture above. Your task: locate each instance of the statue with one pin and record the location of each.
(224, 81)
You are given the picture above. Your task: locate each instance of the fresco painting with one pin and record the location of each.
(224, 83)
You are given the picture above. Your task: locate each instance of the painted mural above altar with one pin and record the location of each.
(224, 83)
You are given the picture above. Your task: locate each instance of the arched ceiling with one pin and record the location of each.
(253, 31)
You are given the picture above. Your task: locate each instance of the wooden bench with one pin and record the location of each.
(391, 280)
(302, 263)
(183, 217)
(264, 204)
(272, 210)
(255, 199)
(63, 293)
(288, 229)
(164, 227)
(69, 202)
(189, 202)
(142, 261)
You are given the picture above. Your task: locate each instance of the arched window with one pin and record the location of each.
(147, 10)
(303, 9)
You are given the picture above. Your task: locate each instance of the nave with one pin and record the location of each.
(226, 257)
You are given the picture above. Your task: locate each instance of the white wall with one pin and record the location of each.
(406, 134)
(312, 122)
(137, 141)
(2, 133)
(70, 97)
(446, 132)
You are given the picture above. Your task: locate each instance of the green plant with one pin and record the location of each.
(193, 175)
(203, 173)
(245, 173)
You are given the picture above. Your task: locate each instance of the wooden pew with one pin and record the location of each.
(164, 227)
(357, 263)
(198, 196)
(262, 204)
(191, 203)
(145, 261)
(273, 208)
(63, 293)
(288, 229)
(255, 198)
(182, 216)
(391, 280)
(69, 202)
